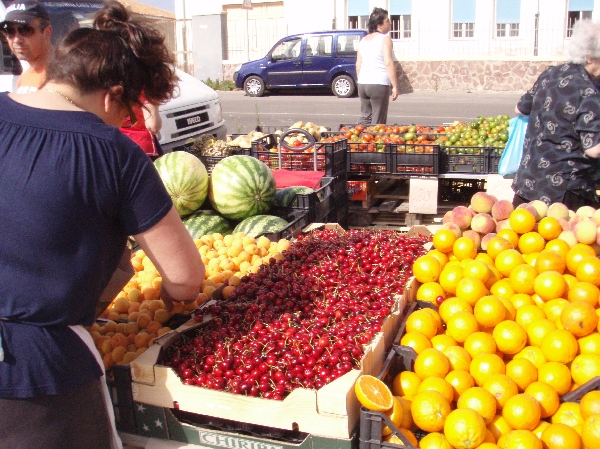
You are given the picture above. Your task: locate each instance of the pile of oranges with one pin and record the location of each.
(511, 329)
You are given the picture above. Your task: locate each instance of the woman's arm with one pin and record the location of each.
(388, 60)
(152, 118)
(173, 252)
(358, 63)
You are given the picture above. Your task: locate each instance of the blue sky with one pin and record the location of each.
(167, 5)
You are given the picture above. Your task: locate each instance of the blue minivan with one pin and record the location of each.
(319, 59)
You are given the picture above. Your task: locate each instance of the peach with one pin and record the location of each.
(473, 235)
(453, 227)
(485, 239)
(540, 207)
(585, 231)
(483, 223)
(482, 202)
(585, 211)
(447, 218)
(558, 210)
(596, 217)
(569, 237)
(502, 224)
(501, 210)
(530, 208)
(564, 224)
(462, 216)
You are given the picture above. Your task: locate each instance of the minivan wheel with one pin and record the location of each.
(343, 86)
(254, 86)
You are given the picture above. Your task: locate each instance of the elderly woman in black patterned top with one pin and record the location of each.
(562, 143)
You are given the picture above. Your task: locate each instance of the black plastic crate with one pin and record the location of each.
(494, 155)
(210, 161)
(472, 160)
(338, 213)
(328, 157)
(459, 190)
(365, 158)
(118, 380)
(400, 358)
(297, 220)
(318, 203)
(415, 159)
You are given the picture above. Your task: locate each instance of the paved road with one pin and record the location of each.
(242, 113)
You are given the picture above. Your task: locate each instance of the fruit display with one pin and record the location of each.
(481, 132)
(300, 321)
(507, 339)
(244, 140)
(138, 315)
(260, 224)
(207, 145)
(203, 222)
(287, 196)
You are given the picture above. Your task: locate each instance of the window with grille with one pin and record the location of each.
(400, 18)
(508, 18)
(463, 19)
(358, 14)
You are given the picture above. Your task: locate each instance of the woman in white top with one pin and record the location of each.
(376, 72)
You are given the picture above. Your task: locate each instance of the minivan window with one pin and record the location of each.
(286, 50)
(319, 45)
(348, 44)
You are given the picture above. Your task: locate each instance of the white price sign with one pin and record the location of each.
(499, 187)
(423, 196)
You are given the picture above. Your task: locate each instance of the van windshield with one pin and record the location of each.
(288, 49)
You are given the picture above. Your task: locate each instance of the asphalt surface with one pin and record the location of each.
(242, 113)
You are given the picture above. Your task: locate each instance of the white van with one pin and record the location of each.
(196, 109)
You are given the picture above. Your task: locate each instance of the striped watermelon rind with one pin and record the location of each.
(260, 224)
(241, 187)
(206, 222)
(185, 178)
(286, 197)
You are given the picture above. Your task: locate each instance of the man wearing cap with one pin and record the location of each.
(28, 31)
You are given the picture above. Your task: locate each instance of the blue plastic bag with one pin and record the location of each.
(511, 157)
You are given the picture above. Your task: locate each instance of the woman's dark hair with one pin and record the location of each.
(116, 51)
(376, 18)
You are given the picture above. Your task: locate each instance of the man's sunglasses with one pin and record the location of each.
(23, 30)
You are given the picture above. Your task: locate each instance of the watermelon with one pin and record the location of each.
(287, 196)
(204, 222)
(260, 224)
(185, 178)
(241, 187)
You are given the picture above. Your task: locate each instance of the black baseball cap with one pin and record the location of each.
(24, 12)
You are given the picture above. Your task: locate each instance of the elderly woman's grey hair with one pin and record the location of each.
(585, 41)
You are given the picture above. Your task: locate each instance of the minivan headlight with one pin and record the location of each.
(218, 112)
(238, 68)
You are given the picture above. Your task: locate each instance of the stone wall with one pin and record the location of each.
(461, 75)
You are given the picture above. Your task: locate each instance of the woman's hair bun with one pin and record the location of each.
(113, 17)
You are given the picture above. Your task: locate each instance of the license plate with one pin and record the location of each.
(194, 120)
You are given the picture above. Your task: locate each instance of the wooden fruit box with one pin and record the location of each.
(332, 411)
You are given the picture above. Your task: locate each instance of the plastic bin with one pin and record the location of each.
(318, 204)
(494, 155)
(415, 159)
(472, 160)
(118, 379)
(297, 220)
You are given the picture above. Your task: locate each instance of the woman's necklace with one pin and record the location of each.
(62, 95)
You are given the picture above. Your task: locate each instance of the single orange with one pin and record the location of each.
(477, 269)
(464, 248)
(423, 322)
(407, 422)
(588, 270)
(430, 291)
(458, 357)
(554, 308)
(396, 414)
(589, 344)
(538, 329)
(502, 289)
(533, 354)
(510, 337)
(416, 340)
(480, 400)
(485, 257)
(441, 257)
(484, 365)
(426, 269)
(557, 375)
(495, 276)
(519, 439)
(480, 343)
(501, 387)
(584, 291)
(465, 428)
(507, 260)
(406, 384)
(373, 394)
(442, 386)
(449, 278)
(409, 438)
(434, 440)
(528, 314)
(521, 221)
(568, 413)
(550, 285)
(430, 410)
(531, 258)
(559, 246)
(540, 428)
(461, 381)
(561, 436)
(550, 261)
(498, 427)
(498, 244)
(521, 299)
(436, 316)
(460, 325)
(522, 411)
(531, 242)
(549, 228)
(489, 311)
(571, 280)
(590, 432)
(521, 278)
(585, 367)
(560, 346)
(576, 254)
(431, 362)
(522, 371)
(589, 404)
(471, 289)
(579, 318)
(546, 396)
(442, 341)
(509, 235)
(452, 306)
(443, 240)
